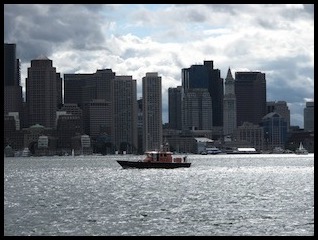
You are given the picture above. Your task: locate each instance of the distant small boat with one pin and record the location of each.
(157, 159)
(213, 150)
(301, 149)
(244, 151)
(26, 152)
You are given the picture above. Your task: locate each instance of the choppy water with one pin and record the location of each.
(218, 195)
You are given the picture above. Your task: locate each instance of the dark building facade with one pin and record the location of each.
(250, 92)
(205, 76)
(174, 105)
(11, 82)
(152, 111)
(275, 130)
(68, 126)
(11, 66)
(73, 87)
(41, 92)
(125, 114)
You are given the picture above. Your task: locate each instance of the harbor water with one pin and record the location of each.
(219, 195)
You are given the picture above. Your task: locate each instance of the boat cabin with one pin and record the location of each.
(159, 156)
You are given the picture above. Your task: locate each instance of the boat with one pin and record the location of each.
(213, 150)
(301, 149)
(157, 159)
(26, 152)
(244, 151)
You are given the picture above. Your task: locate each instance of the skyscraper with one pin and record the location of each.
(11, 82)
(229, 105)
(41, 92)
(205, 76)
(197, 109)
(250, 91)
(152, 111)
(11, 68)
(93, 93)
(174, 105)
(309, 116)
(281, 108)
(125, 114)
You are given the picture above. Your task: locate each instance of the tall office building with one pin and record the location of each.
(250, 92)
(11, 82)
(73, 87)
(275, 130)
(59, 94)
(229, 105)
(197, 110)
(97, 120)
(93, 93)
(281, 108)
(174, 105)
(11, 66)
(125, 114)
(152, 111)
(41, 92)
(309, 114)
(205, 76)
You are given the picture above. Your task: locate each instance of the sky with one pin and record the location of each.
(133, 39)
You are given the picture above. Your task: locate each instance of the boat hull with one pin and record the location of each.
(133, 164)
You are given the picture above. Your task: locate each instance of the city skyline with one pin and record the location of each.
(152, 38)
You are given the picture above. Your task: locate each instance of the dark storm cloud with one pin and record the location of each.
(286, 73)
(39, 29)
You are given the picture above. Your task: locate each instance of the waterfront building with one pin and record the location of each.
(140, 126)
(98, 118)
(229, 105)
(12, 136)
(152, 111)
(93, 93)
(73, 87)
(205, 76)
(41, 92)
(68, 126)
(11, 83)
(197, 109)
(275, 130)
(175, 105)
(250, 92)
(249, 133)
(281, 108)
(125, 114)
(309, 117)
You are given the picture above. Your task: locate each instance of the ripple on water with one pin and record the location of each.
(219, 196)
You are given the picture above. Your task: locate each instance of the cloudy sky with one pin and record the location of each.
(133, 39)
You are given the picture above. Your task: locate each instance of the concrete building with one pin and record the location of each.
(41, 92)
(229, 105)
(68, 126)
(275, 130)
(249, 135)
(125, 114)
(250, 92)
(205, 76)
(281, 108)
(11, 83)
(175, 105)
(98, 118)
(309, 117)
(152, 111)
(197, 109)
